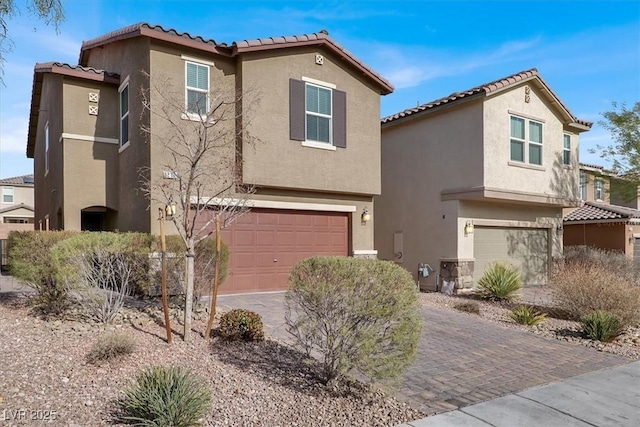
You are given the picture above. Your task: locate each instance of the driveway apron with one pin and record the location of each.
(462, 359)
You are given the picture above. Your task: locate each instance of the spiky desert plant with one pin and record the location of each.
(527, 315)
(111, 346)
(602, 326)
(500, 281)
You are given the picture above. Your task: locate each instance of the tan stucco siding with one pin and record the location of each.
(48, 185)
(275, 160)
(552, 178)
(77, 118)
(130, 59)
(21, 194)
(90, 178)
(167, 66)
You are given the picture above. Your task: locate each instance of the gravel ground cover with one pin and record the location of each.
(46, 380)
(627, 345)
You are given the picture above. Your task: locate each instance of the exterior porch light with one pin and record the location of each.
(366, 216)
(559, 229)
(170, 210)
(468, 228)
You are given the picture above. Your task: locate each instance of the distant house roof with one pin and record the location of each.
(40, 70)
(487, 89)
(18, 181)
(171, 35)
(16, 207)
(601, 212)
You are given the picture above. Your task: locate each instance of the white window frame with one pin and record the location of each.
(123, 86)
(527, 142)
(47, 147)
(320, 85)
(566, 149)
(187, 88)
(8, 191)
(584, 179)
(598, 189)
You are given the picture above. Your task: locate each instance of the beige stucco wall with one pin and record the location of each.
(48, 185)
(552, 178)
(420, 158)
(129, 58)
(275, 160)
(21, 194)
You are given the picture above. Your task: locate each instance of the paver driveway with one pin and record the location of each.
(463, 359)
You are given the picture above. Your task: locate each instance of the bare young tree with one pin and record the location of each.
(198, 143)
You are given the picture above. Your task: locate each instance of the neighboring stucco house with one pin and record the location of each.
(608, 217)
(316, 168)
(16, 204)
(478, 176)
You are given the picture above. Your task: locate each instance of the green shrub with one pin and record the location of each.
(356, 314)
(468, 307)
(602, 326)
(582, 286)
(111, 346)
(527, 315)
(241, 324)
(166, 397)
(500, 281)
(31, 261)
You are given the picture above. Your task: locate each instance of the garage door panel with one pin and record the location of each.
(261, 236)
(526, 248)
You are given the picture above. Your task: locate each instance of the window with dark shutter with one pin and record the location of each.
(296, 110)
(339, 118)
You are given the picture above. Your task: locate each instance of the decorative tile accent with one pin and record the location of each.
(319, 59)
(93, 110)
(94, 97)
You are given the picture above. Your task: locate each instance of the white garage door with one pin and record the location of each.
(526, 248)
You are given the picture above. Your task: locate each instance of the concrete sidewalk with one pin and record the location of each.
(609, 397)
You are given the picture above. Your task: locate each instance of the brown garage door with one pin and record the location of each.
(265, 245)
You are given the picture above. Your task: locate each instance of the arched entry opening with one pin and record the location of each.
(97, 218)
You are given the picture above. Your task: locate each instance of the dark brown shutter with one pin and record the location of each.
(339, 118)
(296, 110)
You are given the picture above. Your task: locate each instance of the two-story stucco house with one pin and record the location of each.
(475, 177)
(16, 204)
(609, 217)
(316, 168)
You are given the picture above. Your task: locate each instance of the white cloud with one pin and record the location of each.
(13, 134)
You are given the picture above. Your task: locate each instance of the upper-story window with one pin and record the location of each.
(124, 113)
(47, 142)
(7, 194)
(317, 114)
(566, 149)
(526, 141)
(583, 186)
(197, 88)
(599, 189)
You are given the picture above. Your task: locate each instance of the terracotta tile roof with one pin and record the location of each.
(592, 211)
(18, 180)
(485, 89)
(591, 166)
(319, 38)
(236, 48)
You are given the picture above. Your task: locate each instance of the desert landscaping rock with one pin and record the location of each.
(44, 368)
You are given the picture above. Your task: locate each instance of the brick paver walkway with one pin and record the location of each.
(463, 359)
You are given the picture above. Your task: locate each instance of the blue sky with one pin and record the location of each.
(587, 51)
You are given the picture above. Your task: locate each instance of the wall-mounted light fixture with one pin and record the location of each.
(170, 210)
(559, 229)
(468, 228)
(366, 216)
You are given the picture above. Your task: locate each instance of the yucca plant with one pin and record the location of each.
(500, 281)
(527, 315)
(166, 396)
(602, 326)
